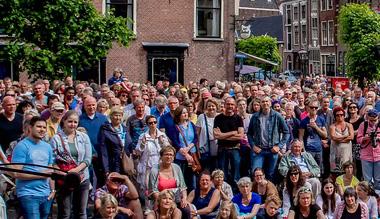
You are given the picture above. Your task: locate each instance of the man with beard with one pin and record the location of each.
(35, 193)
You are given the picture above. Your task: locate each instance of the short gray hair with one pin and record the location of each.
(244, 181)
(138, 102)
(161, 100)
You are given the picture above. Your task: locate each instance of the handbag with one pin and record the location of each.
(64, 165)
(127, 163)
(196, 164)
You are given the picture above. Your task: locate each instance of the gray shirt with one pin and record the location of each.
(264, 125)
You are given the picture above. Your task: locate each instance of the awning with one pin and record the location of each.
(165, 45)
(247, 69)
(258, 59)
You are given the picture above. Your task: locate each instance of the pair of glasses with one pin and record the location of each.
(352, 107)
(313, 107)
(338, 115)
(304, 189)
(294, 174)
(153, 122)
(59, 111)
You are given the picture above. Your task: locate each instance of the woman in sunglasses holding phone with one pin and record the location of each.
(304, 206)
(149, 146)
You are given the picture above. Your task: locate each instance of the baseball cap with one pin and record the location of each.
(372, 113)
(57, 106)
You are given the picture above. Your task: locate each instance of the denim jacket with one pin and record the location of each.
(278, 131)
(82, 143)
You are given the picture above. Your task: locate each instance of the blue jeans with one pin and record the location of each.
(266, 155)
(371, 170)
(230, 157)
(35, 206)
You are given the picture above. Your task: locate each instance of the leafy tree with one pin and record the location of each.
(359, 31)
(48, 37)
(265, 47)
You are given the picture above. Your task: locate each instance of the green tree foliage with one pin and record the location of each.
(359, 31)
(265, 47)
(48, 37)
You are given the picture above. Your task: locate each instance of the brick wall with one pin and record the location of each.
(172, 21)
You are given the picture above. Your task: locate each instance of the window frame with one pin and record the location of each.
(105, 8)
(296, 35)
(221, 19)
(330, 39)
(323, 43)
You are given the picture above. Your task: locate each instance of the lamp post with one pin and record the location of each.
(303, 55)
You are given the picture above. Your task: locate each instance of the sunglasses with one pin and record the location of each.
(313, 107)
(59, 111)
(339, 115)
(303, 190)
(153, 122)
(352, 107)
(294, 174)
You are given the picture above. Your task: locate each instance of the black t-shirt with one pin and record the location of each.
(355, 215)
(10, 130)
(228, 124)
(314, 208)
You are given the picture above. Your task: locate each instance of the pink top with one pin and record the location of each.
(368, 153)
(166, 183)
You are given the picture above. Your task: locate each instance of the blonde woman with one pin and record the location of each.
(103, 107)
(108, 208)
(166, 207)
(227, 211)
(304, 206)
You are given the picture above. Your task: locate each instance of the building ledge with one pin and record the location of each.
(208, 39)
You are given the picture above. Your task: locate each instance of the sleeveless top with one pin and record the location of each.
(166, 183)
(200, 202)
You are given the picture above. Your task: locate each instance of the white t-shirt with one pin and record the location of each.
(202, 138)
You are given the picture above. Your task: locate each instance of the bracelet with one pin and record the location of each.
(53, 190)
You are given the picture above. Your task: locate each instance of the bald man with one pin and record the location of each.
(92, 121)
(10, 123)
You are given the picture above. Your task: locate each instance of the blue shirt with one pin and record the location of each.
(311, 138)
(237, 199)
(167, 123)
(154, 112)
(41, 153)
(189, 134)
(93, 126)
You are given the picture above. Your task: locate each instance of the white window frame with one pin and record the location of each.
(330, 39)
(302, 35)
(104, 10)
(221, 23)
(296, 8)
(323, 43)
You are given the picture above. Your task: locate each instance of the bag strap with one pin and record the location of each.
(183, 136)
(64, 148)
(207, 134)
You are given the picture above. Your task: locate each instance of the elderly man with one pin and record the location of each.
(130, 108)
(136, 125)
(310, 169)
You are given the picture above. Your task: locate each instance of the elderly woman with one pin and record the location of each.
(304, 206)
(117, 77)
(350, 207)
(223, 187)
(205, 198)
(167, 175)
(112, 138)
(342, 133)
(247, 202)
(149, 147)
(73, 148)
(166, 207)
(262, 186)
(103, 107)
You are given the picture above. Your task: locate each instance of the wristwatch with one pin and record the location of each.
(53, 190)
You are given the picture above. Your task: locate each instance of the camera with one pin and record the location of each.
(374, 139)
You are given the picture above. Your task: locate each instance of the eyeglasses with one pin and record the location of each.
(339, 115)
(313, 107)
(153, 122)
(259, 175)
(304, 190)
(352, 107)
(59, 111)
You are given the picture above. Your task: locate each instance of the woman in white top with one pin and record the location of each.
(149, 146)
(207, 143)
(328, 200)
(366, 195)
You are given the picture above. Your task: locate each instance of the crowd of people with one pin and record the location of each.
(260, 149)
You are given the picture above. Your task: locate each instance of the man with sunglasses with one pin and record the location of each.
(313, 131)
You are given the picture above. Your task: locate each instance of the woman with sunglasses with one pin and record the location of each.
(351, 207)
(304, 206)
(293, 182)
(149, 146)
(328, 200)
(355, 120)
(342, 133)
